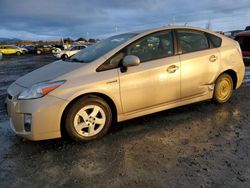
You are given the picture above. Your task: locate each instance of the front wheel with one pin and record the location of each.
(223, 88)
(18, 53)
(88, 119)
(64, 56)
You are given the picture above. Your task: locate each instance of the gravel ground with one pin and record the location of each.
(199, 145)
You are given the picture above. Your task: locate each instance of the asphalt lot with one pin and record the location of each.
(199, 145)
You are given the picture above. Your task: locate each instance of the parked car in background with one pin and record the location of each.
(247, 28)
(64, 54)
(45, 49)
(123, 77)
(244, 40)
(60, 46)
(25, 50)
(11, 49)
(232, 34)
(31, 49)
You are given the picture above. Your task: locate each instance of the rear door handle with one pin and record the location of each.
(212, 58)
(172, 68)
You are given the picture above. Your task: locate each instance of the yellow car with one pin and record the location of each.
(7, 50)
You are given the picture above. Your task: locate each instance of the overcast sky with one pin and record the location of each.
(53, 19)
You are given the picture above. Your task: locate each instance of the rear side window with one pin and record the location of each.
(215, 41)
(244, 42)
(192, 41)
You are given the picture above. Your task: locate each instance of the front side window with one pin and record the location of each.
(99, 49)
(192, 41)
(151, 47)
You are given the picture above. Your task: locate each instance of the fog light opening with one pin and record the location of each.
(27, 122)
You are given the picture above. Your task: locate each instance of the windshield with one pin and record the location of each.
(97, 50)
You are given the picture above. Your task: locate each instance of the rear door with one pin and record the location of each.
(200, 61)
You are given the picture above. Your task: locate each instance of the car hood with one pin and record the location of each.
(48, 72)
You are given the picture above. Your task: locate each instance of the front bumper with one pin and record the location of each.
(45, 114)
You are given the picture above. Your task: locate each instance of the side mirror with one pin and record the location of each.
(130, 60)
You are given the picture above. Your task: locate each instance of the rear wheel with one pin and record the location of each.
(223, 88)
(88, 119)
(18, 53)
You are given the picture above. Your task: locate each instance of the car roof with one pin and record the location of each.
(143, 32)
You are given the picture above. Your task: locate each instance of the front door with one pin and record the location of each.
(157, 79)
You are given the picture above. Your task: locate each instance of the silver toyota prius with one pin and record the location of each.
(123, 77)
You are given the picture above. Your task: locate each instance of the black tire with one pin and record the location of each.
(64, 56)
(80, 104)
(18, 53)
(219, 96)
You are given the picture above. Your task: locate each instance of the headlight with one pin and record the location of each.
(39, 90)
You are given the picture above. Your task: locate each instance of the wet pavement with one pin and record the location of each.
(199, 145)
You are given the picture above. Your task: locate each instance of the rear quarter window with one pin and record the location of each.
(215, 41)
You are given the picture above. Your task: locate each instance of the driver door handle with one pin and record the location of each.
(172, 69)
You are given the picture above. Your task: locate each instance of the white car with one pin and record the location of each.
(24, 50)
(64, 54)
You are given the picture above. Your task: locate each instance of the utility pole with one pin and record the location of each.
(208, 26)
